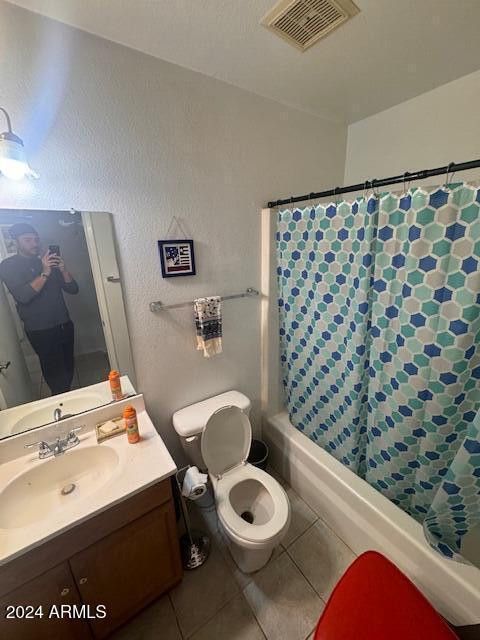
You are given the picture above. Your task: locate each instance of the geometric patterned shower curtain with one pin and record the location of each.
(379, 303)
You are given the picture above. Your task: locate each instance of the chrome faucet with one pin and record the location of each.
(46, 450)
(58, 415)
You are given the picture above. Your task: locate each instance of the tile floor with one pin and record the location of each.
(90, 368)
(282, 601)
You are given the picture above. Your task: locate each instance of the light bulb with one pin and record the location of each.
(13, 169)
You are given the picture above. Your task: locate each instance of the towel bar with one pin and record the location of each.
(159, 306)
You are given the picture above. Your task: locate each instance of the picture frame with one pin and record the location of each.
(177, 258)
(8, 246)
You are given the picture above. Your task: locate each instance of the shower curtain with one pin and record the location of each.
(379, 303)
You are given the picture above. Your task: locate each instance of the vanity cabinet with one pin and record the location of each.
(42, 595)
(123, 558)
(128, 569)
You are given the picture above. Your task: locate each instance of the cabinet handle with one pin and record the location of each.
(83, 580)
(65, 591)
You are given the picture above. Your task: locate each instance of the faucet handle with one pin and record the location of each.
(75, 429)
(40, 443)
(44, 449)
(72, 434)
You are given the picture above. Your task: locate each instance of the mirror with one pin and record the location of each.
(62, 317)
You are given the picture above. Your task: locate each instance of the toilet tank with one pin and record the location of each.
(190, 421)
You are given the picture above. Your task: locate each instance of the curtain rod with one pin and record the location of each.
(451, 168)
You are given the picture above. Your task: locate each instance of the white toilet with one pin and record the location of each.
(252, 506)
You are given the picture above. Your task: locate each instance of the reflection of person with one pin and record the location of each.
(37, 285)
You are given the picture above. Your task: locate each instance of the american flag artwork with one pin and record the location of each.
(176, 258)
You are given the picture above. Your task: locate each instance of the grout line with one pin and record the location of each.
(254, 615)
(336, 535)
(315, 591)
(177, 622)
(303, 532)
(204, 624)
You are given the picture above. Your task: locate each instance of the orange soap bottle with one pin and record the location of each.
(131, 424)
(115, 385)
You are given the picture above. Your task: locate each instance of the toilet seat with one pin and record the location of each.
(241, 489)
(239, 528)
(226, 440)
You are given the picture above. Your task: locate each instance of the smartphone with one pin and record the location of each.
(54, 249)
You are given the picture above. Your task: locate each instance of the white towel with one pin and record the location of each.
(208, 323)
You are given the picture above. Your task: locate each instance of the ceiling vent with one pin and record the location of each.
(303, 22)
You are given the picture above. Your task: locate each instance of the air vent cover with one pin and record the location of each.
(303, 22)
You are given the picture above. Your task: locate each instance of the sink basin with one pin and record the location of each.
(43, 414)
(37, 493)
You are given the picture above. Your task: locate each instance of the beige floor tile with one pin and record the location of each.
(156, 622)
(235, 621)
(96, 359)
(283, 602)
(302, 517)
(322, 557)
(203, 592)
(88, 377)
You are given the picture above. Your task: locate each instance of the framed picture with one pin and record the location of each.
(8, 246)
(176, 258)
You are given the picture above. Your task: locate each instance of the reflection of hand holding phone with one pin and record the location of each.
(54, 250)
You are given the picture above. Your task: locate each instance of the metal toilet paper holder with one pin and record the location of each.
(194, 544)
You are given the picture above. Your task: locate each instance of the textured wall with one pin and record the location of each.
(114, 130)
(435, 128)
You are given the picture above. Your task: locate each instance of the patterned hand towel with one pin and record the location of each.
(208, 323)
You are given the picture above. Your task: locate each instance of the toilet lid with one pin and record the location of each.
(226, 440)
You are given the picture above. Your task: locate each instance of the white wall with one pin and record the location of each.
(433, 129)
(114, 130)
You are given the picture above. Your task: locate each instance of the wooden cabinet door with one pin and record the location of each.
(129, 568)
(55, 587)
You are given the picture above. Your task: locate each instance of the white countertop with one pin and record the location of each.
(139, 466)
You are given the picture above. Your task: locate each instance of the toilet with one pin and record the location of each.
(252, 507)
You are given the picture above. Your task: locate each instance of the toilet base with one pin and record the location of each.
(248, 560)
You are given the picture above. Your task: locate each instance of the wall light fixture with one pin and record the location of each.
(13, 161)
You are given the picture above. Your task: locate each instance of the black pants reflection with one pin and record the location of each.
(54, 347)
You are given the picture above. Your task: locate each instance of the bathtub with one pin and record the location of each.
(365, 519)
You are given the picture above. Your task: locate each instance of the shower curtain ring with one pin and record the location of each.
(375, 193)
(366, 186)
(405, 188)
(335, 194)
(449, 177)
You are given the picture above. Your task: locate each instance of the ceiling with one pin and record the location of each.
(391, 51)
